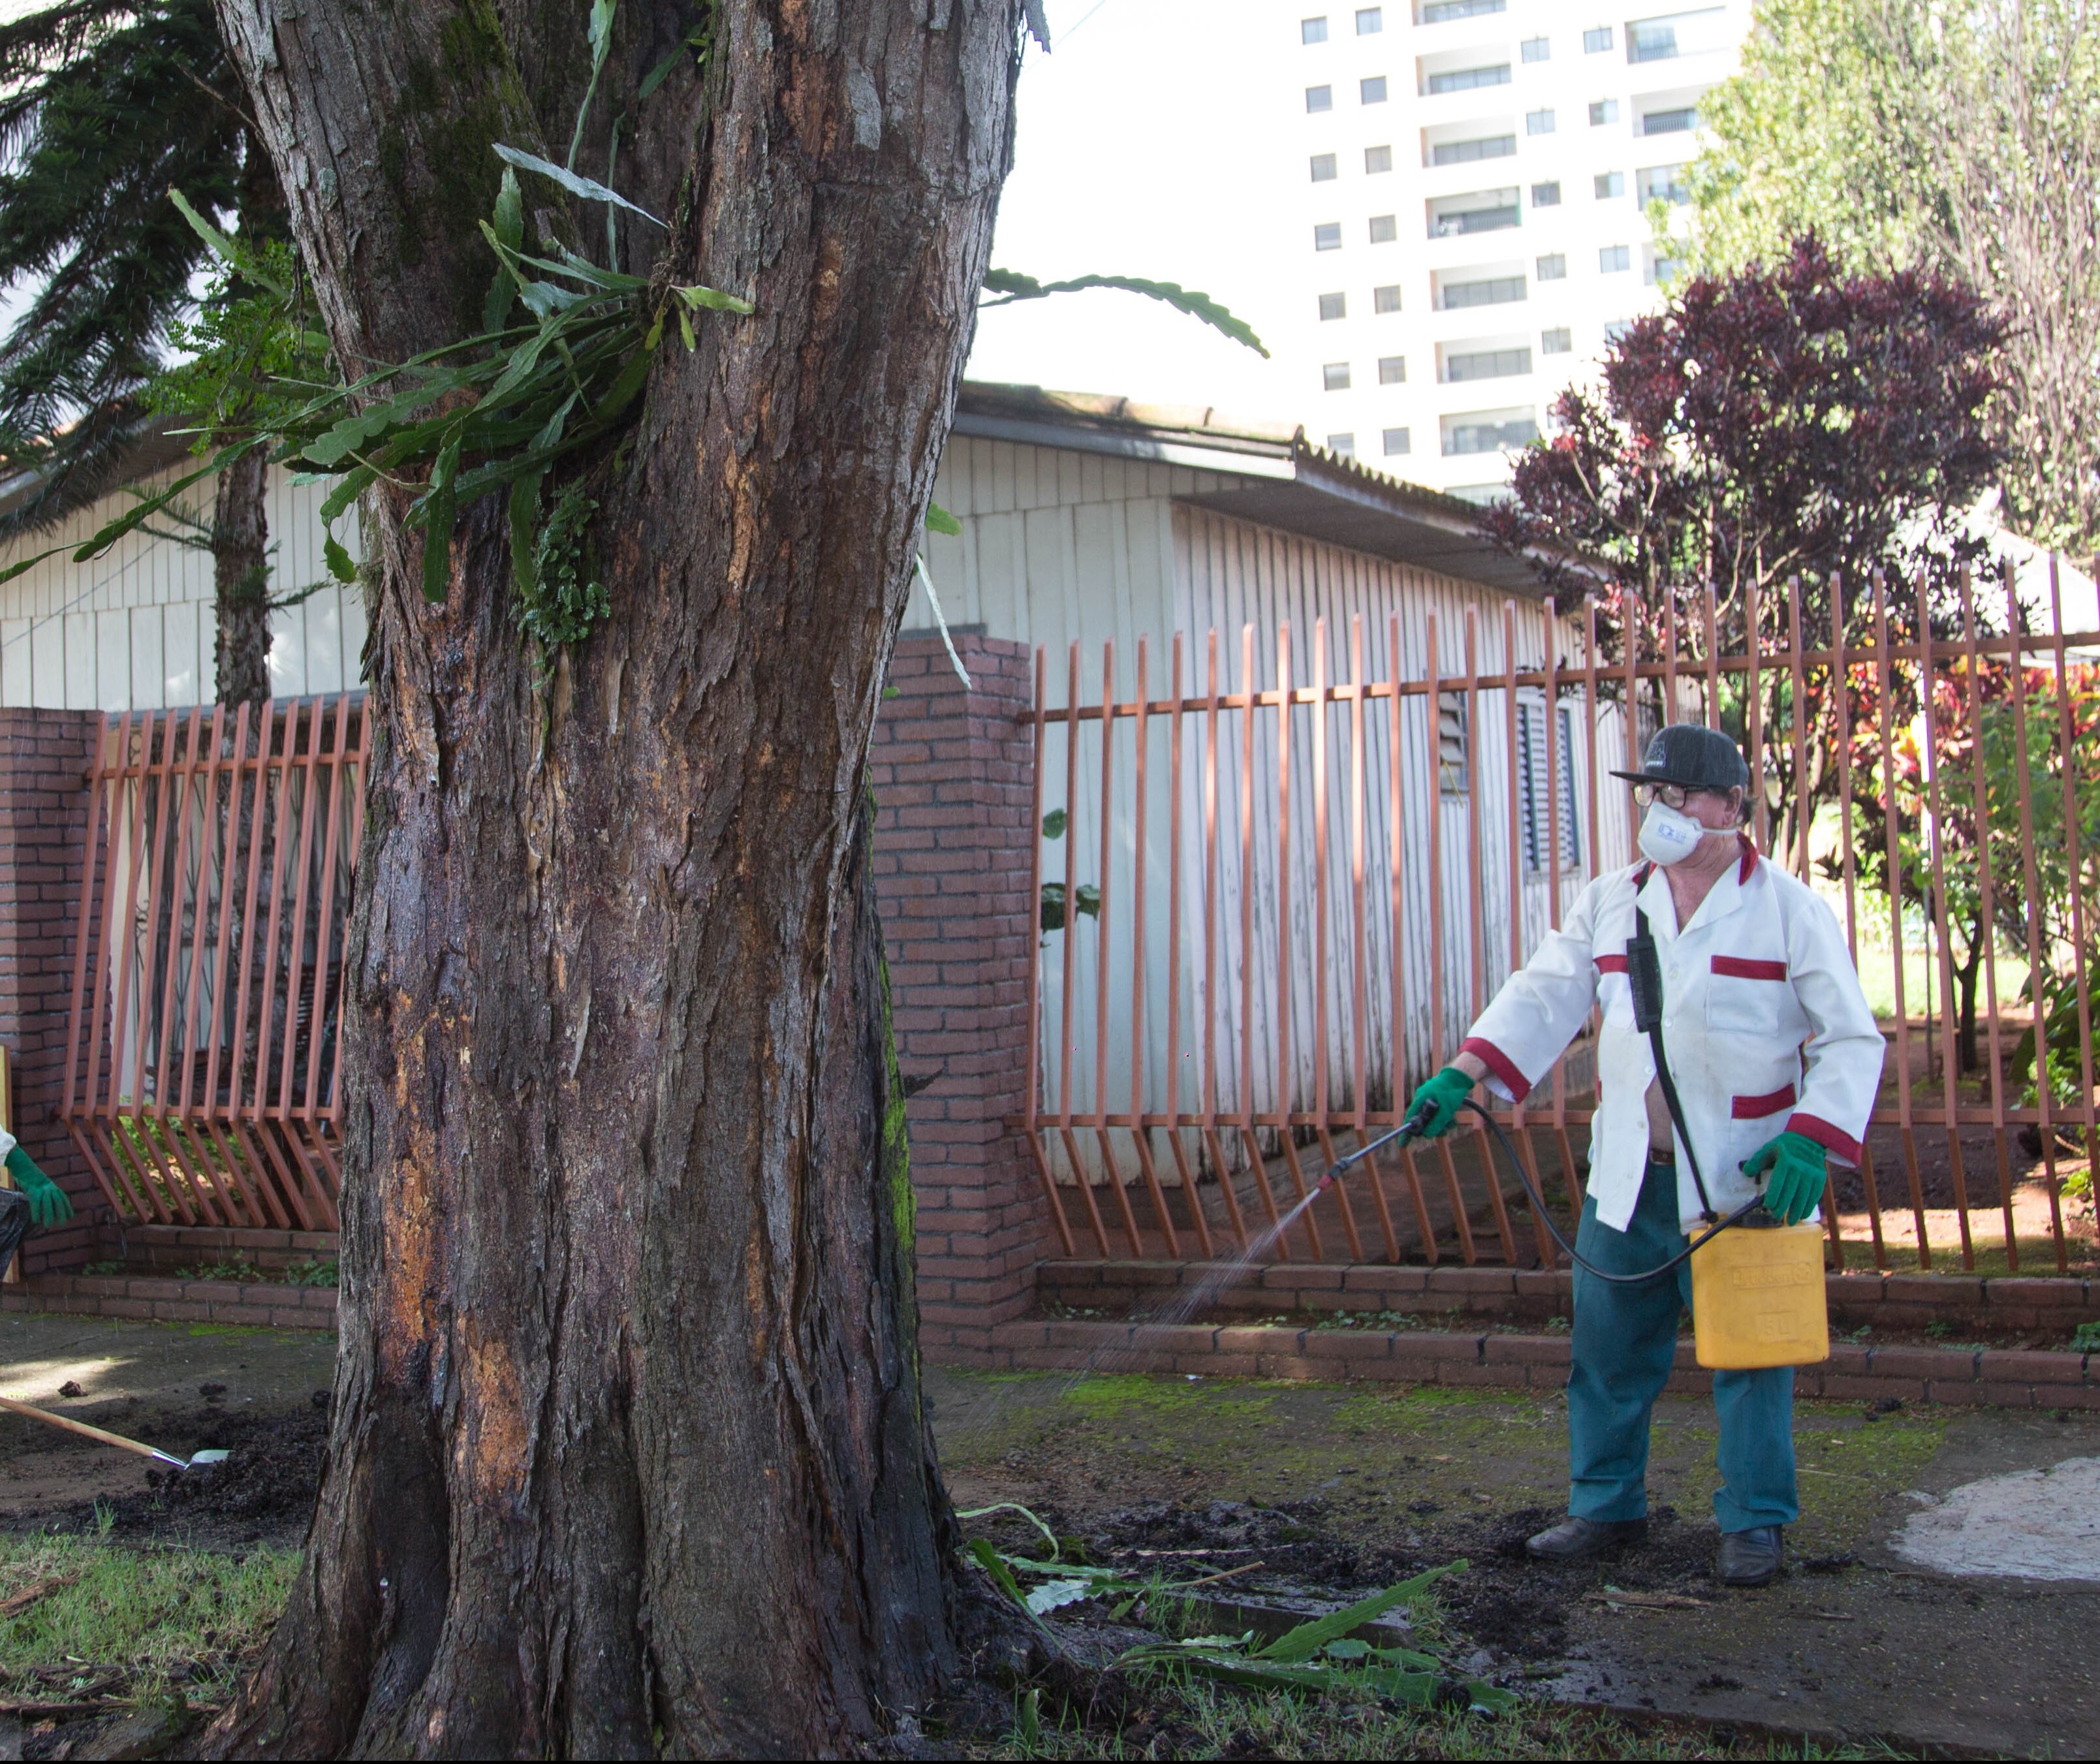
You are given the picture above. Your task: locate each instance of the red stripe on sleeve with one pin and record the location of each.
(1831, 1139)
(1611, 964)
(1757, 1107)
(1499, 1063)
(1743, 968)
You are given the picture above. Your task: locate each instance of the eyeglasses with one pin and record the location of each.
(1672, 796)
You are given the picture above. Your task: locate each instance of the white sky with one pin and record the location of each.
(1145, 143)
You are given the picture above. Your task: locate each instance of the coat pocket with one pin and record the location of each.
(1745, 997)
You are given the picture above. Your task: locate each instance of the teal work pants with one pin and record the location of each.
(1625, 1339)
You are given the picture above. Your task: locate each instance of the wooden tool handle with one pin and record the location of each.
(86, 1432)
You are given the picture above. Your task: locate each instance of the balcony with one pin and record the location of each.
(1481, 211)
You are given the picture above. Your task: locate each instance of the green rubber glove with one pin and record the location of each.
(1442, 1094)
(1795, 1187)
(48, 1204)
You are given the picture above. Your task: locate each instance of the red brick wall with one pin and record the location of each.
(951, 771)
(44, 756)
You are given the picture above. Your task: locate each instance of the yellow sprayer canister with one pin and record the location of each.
(1758, 1299)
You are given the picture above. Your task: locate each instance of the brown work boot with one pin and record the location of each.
(1751, 1557)
(1573, 1539)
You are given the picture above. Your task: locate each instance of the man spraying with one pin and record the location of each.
(1775, 1059)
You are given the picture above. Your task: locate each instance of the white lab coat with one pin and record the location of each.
(1765, 1026)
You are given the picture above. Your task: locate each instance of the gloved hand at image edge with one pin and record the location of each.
(1443, 1094)
(48, 1206)
(1797, 1166)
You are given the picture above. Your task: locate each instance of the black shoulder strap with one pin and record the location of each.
(1644, 978)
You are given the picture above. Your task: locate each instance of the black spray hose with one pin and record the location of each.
(1411, 1128)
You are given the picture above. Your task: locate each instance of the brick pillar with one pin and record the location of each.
(951, 771)
(44, 802)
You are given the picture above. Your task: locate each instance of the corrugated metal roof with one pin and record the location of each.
(1267, 474)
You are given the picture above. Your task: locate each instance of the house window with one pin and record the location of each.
(1469, 79)
(1538, 122)
(1386, 299)
(1495, 291)
(1333, 306)
(1336, 376)
(1465, 153)
(1393, 370)
(1452, 779)
(1372, 91)
(1544, 797)
(1377, 159)
(1370, 20)
(1603, 110)
(1608, 184)
(1487, 364)
(1343, 444)
(1538, 49)
(1595, 42)
(1443, 11)
(1671, 122)
(1327, 236)
(1553, 266)
(1611, 259)
(1323, 169)
(1319, 98)
(1556, 341)
(1313, 30)
(1384, 229)
(1488, 431)
(1662, 184)
(1396, 441)
(1545, 194)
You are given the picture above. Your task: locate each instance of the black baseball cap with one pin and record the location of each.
(1693, 756)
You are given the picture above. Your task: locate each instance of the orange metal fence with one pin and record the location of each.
(202, 1083)
(1333, 911)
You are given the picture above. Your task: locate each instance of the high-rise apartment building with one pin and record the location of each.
(1476, 178)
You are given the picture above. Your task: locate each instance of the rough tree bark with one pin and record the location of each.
(628, 1454)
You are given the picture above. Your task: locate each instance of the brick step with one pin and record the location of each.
(163, 1249)
(266, 1304)
(2006, 1379)
(1533, 1296)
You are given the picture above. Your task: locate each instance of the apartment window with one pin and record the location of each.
(1377, 159)
(1468, 79)
(1327, 236)
(1611, 259)
(1393, 370)
(1545, 798)
(1313, 30)
(1442, 12)
(1490, 291)
(1538, 122)
(1478, 211)
(1333, 306)
(1662, 270)
(1396, 441)
(1451, 732)
(1671, 122)
(1323, 168)
(1372, 91)
(1343, 444)
(1319, 98)
(1385, 228)
(1386, 299)
(1603, 110)
(1545, 194)
(1556, 341)
(1553, 267)
(1662, 184)
(1595, 42)
(1538, 49)
(1465, 153)
(1488, 431)
(1335, 375)
(1617, 328)
(1370, 20)
(1608, 184)
(1486, 364)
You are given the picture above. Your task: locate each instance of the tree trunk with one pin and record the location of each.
(240, 576)
(627, 1453)
(1965, 979)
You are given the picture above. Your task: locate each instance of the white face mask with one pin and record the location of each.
(1668, 835)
